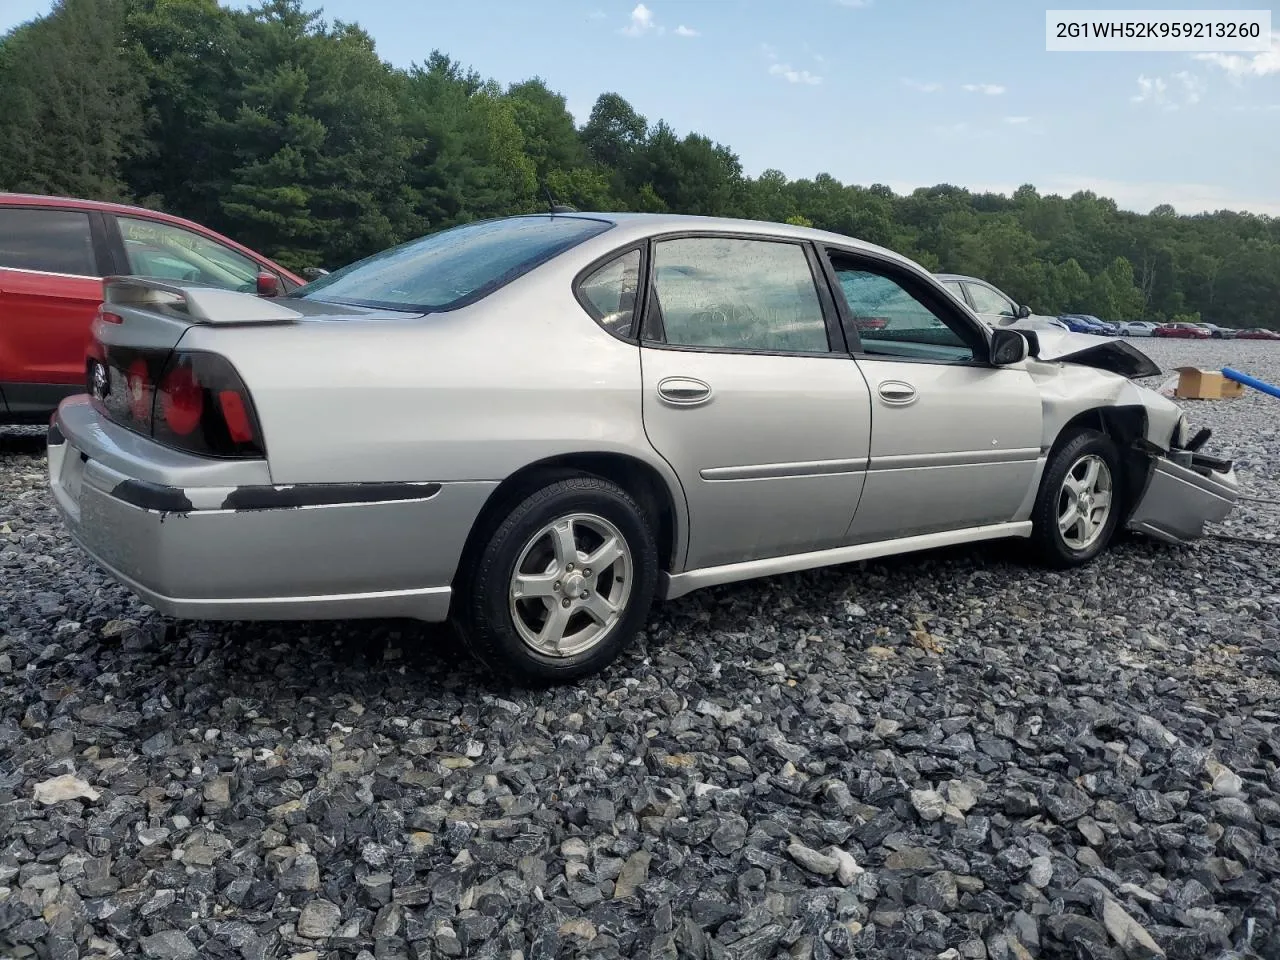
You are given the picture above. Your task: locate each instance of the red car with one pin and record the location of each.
(1258, 333)
(1187, 331)
(54, 252)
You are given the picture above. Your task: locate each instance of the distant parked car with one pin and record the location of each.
(1137, 328)
(1085, 323)
(1217, 332)
(54, 252)
(1258, 333)
(993, 306)
(1185, 331)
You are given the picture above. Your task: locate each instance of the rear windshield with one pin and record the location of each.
(454, 267)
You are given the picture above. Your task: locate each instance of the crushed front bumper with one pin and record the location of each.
(1184, 492)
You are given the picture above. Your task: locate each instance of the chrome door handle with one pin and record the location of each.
(897, 392)
(684, 391)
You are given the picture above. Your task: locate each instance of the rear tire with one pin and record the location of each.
(533, 608)
(1079, 503)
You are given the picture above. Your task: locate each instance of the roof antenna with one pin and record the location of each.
(557, 207)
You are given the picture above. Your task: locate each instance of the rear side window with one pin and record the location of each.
(51, 241)
(609, 293)
(454, 267)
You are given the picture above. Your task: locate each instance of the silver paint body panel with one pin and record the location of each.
(772, 463)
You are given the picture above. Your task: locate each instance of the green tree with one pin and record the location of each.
(71, 112)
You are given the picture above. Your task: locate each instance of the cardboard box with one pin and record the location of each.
(1197, 384)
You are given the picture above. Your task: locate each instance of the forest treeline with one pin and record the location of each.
(291, 135)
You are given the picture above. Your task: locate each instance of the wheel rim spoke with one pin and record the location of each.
(601, 610)
(1090, 481)
(563, 543)
(552, 632)
(604, 555)
(1067, 522)
(1102, 499)
(528, 585)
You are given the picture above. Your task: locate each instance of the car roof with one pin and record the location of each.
(128, 210)
(639, 225)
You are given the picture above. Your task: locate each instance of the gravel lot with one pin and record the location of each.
(945, 755)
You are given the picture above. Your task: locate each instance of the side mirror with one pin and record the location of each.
(1023, 312)
(314, 273)
(1008, 346)
(268, 284)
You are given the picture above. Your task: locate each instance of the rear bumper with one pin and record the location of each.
(1181, 497)
(254, 551)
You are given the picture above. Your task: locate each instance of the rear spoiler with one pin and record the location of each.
(201, 303)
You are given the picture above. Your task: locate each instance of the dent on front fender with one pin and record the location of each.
(1068, 390)
(1184, 492)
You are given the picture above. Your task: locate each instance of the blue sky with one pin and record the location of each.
(903, 92)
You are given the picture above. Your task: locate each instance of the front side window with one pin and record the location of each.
(51, 241)
(453, 267)
(610, 293)
(953, 288)
(166, 252)
(892, 322)
(740, 294)
(988, 301)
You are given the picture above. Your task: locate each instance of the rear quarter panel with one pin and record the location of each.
(471, 394)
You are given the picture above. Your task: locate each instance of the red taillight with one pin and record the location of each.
(107, 317)
(203, 407)
(181, 400)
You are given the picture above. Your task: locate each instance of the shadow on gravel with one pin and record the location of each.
(21, 444)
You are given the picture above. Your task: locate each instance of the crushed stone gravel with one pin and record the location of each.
(1081, 764)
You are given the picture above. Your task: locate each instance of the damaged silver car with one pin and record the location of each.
(537, 425)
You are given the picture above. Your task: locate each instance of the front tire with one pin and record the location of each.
(562, 585)
(1079, 503)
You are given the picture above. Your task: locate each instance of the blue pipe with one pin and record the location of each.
(1249, 381)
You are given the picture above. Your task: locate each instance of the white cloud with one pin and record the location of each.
(641, 22)
(1239, 66)
(791, 75)
(990, 89)
(922, 87)
(1189, 91)
(683, 31)
(1150, 90)
(1017, 121)
(1192, 86)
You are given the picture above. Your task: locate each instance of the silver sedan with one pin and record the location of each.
(535, 426)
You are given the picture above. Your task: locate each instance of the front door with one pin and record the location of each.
(955, 441)
(746, 395)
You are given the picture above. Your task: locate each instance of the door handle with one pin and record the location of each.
(684, 391)
(897, 392)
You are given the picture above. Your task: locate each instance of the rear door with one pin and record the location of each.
(751, 396)
(51, 263)
(955, 441)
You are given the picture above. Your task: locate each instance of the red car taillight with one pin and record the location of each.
(202, 406)
(185, 399)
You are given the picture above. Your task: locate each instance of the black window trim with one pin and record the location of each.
(642, 246)
(97, 240)
(935, 299)
(651, 313)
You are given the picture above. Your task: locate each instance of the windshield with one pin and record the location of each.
(455, 267)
